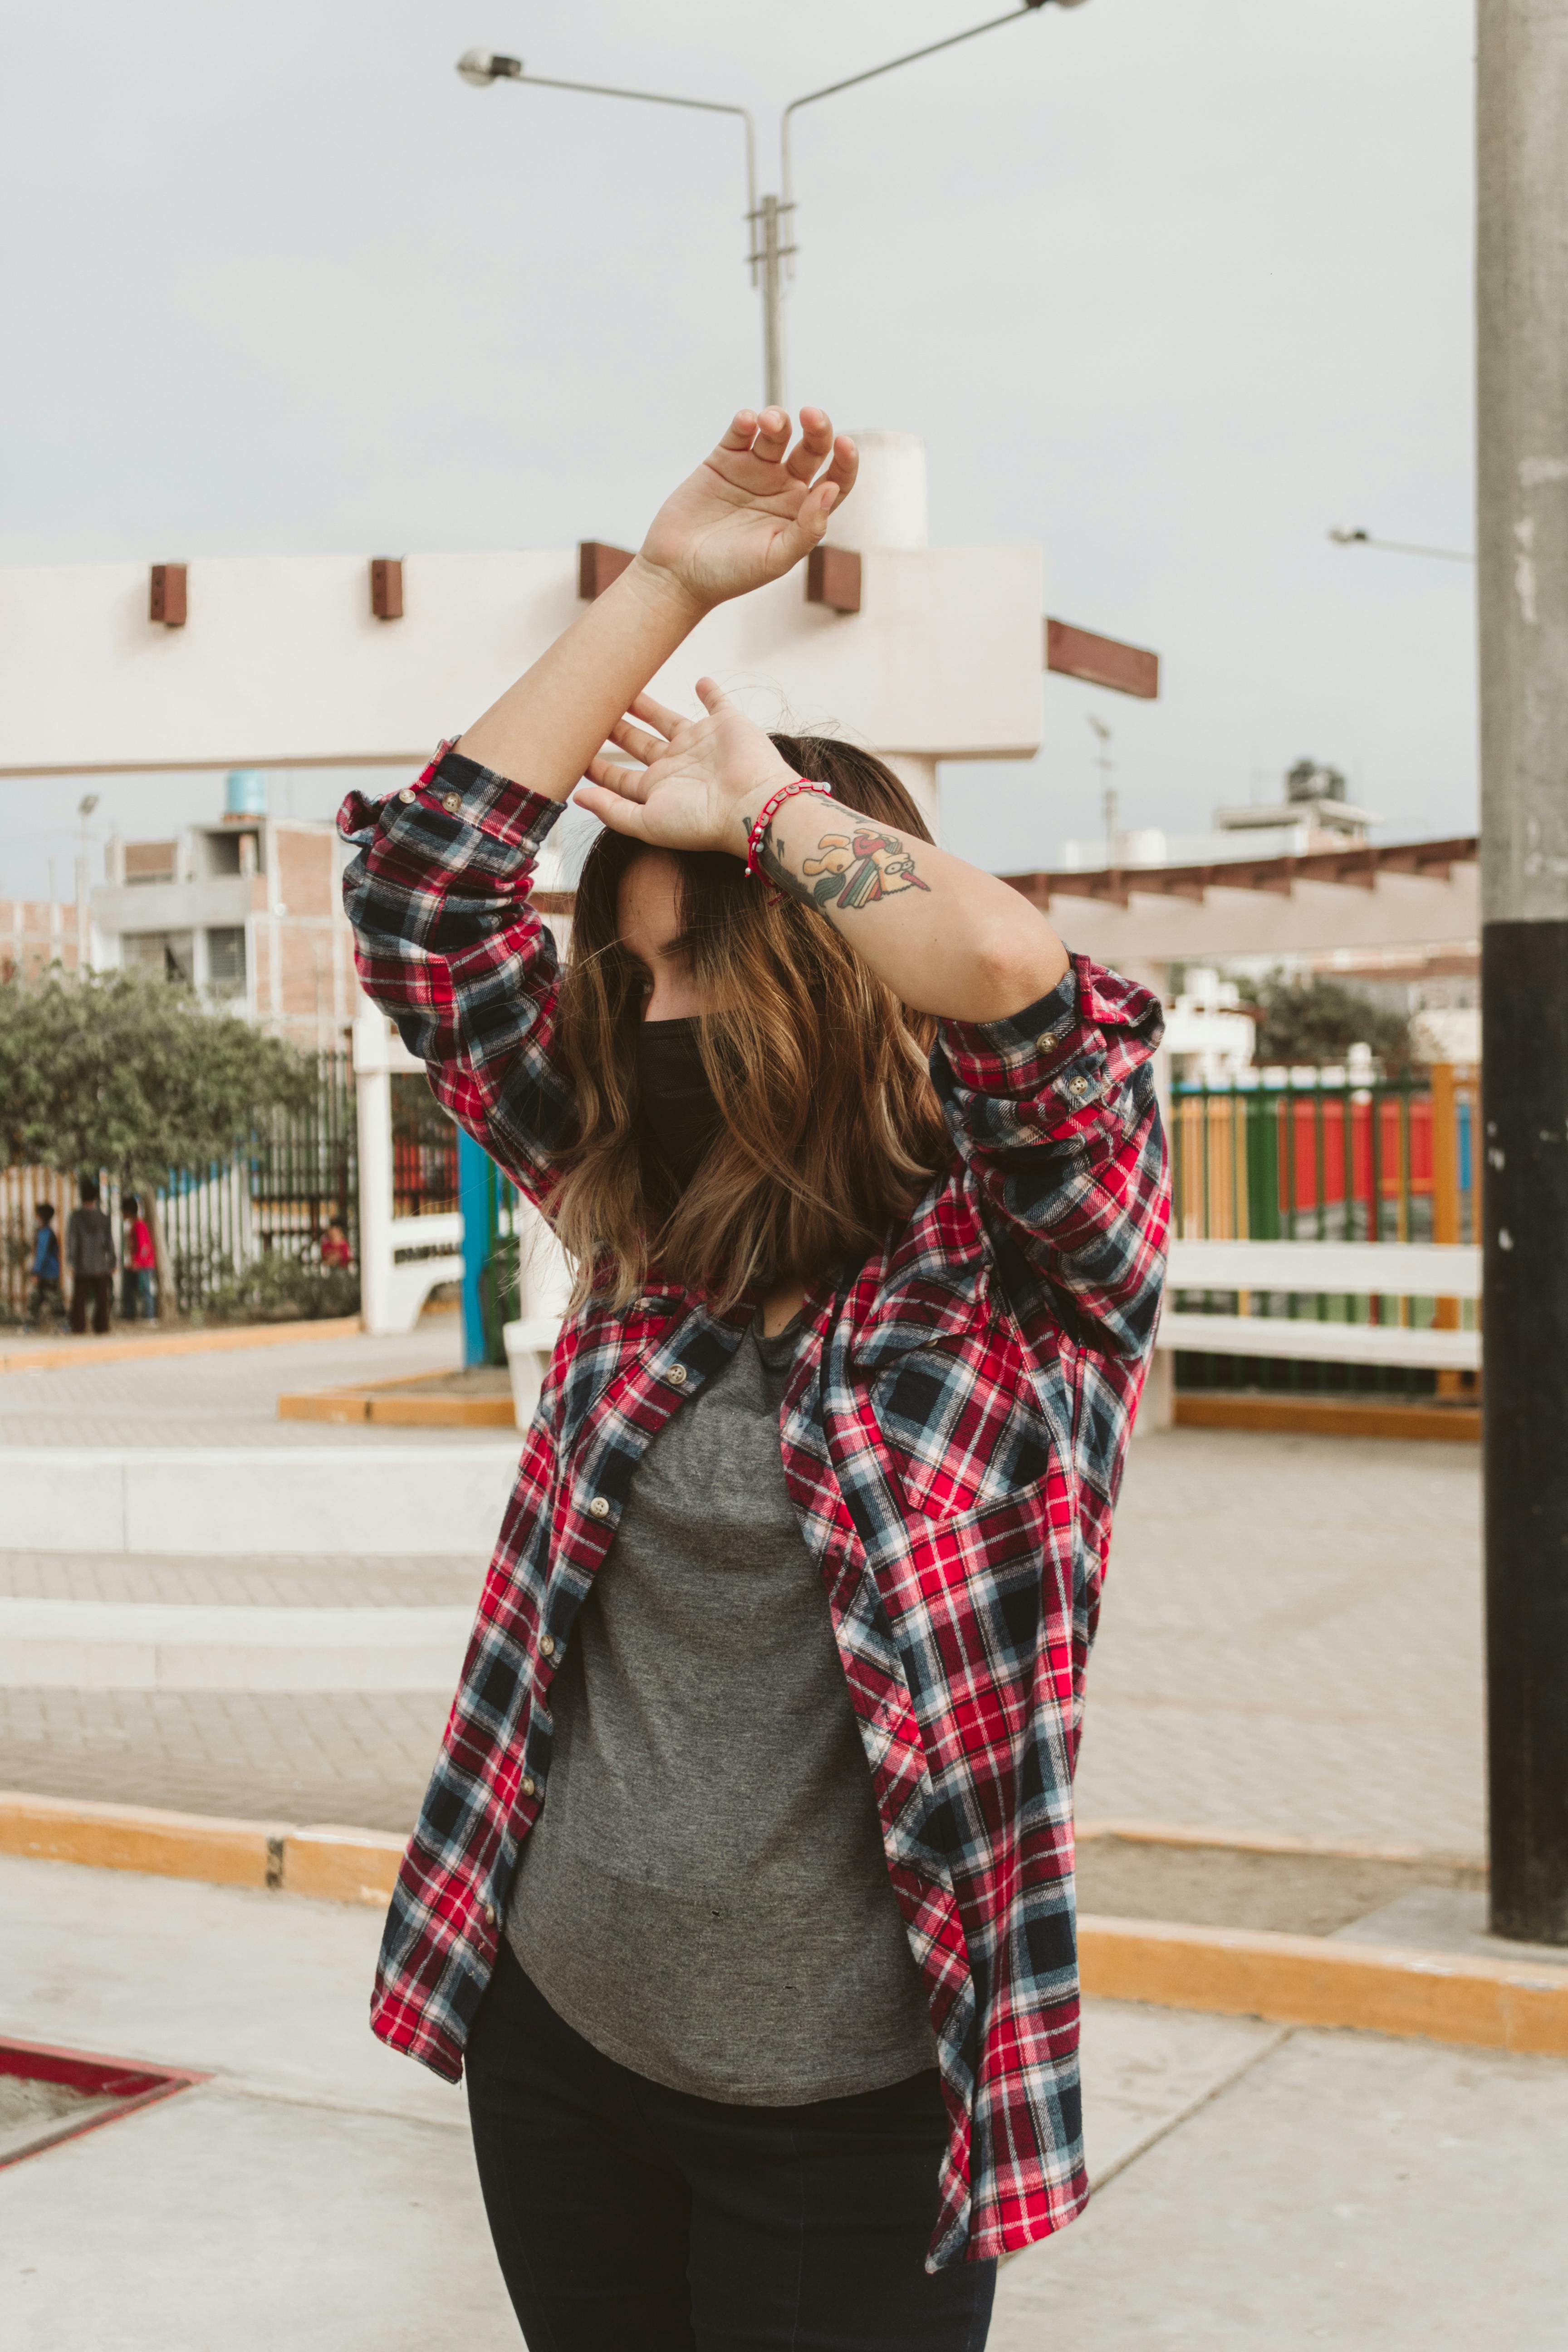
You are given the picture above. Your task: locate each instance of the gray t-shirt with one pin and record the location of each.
(704, 1896)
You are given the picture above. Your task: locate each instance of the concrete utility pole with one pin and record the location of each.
(1522, 555)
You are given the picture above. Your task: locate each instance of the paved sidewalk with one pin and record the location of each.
(1291, 1642)
(1263, 2189)
(362, 1758)
(217, 1400)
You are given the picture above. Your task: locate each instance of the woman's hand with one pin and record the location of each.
(699, 781)
(752, 510)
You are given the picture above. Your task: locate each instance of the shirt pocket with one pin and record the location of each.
(959, 1423)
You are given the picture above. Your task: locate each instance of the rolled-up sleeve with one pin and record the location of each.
(1056, 1115)
(449, 942)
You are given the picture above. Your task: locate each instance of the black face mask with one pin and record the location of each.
(679, 1112)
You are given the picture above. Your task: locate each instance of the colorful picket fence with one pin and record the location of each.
(1310, 1156)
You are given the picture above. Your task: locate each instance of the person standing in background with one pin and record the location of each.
(335, 1250)
(136, 1296)
(45, 1294)
(89, 1252)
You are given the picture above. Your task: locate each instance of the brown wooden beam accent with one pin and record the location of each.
(1102, 661)
(1354, 868)
(833, 578)
(166, 596)
(597, 566)
(387, 587)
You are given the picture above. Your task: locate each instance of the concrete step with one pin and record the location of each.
(161, 1645)
(403, 1499)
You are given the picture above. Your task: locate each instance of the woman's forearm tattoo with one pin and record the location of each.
(854, 869)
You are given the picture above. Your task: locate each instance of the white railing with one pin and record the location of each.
(1388, 1271)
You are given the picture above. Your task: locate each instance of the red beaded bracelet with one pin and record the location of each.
(770, 808)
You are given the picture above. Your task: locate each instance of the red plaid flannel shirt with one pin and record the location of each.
(953, 1437)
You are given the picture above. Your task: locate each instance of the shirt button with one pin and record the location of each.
(678, 1376)
(1081, 1085)
(451, 802)
(406, 793)
(547, 1645)
(599, 1508)
(1045, 1041)
(530, 1785)
(489, 1914)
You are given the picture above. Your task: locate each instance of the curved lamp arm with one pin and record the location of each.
(481, 67)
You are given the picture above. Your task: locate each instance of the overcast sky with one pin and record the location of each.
(1168, 286)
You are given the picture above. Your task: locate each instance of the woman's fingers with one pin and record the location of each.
(816, 441)
(846, 464)
(658, 714)
(772, 435)
(614, 776)
(742, 430)
(712, 696)
(646, 748)
(798, 538)
(620, 815)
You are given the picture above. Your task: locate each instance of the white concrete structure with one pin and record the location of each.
(174, 1645)
(1206, 1037)
(281, 662)
(401, 1259)
(230, 1502)
(1303, 916)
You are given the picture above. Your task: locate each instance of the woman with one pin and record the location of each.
(744, 1880)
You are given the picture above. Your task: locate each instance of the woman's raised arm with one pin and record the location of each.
(748, 514)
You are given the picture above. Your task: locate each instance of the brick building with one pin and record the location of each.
(35, 934)
(248, 910)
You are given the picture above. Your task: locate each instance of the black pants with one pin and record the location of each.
(94, 1291)
(631, 2219)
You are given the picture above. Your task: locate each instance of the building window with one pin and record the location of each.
(149, 861)
(226, 961)
(161, 955)
(232, 853)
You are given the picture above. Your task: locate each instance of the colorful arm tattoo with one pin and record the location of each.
(854, 868)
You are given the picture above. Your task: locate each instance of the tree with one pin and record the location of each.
(116, 1072)
(1319, 1020)
(113, 1071)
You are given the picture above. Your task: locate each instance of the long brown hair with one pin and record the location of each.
(831, 1127)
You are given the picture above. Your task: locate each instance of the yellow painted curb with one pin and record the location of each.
(178, 1343)
(341, 1865)
(398, 1404)
(135, 1837)
(1312, 1980)
(1308, 1980)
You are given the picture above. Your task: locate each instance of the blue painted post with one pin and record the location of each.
(474, 1200)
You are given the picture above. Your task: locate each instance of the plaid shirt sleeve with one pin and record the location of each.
(1055, 1113)
(449, 942)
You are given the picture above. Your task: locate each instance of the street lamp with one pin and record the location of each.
(768, 253)
(1399, 546)
(1105, 762)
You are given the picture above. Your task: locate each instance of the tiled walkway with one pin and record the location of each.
(223, 1399)
(1290, 1640)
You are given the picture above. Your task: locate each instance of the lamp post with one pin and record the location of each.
(1399, 546)
(1105, 761)
(767, 216)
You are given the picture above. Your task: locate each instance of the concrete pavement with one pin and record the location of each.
(1254, 2187)
(1290, 1642)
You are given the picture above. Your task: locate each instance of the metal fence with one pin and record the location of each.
(245, 1238)
(1314, 1158)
